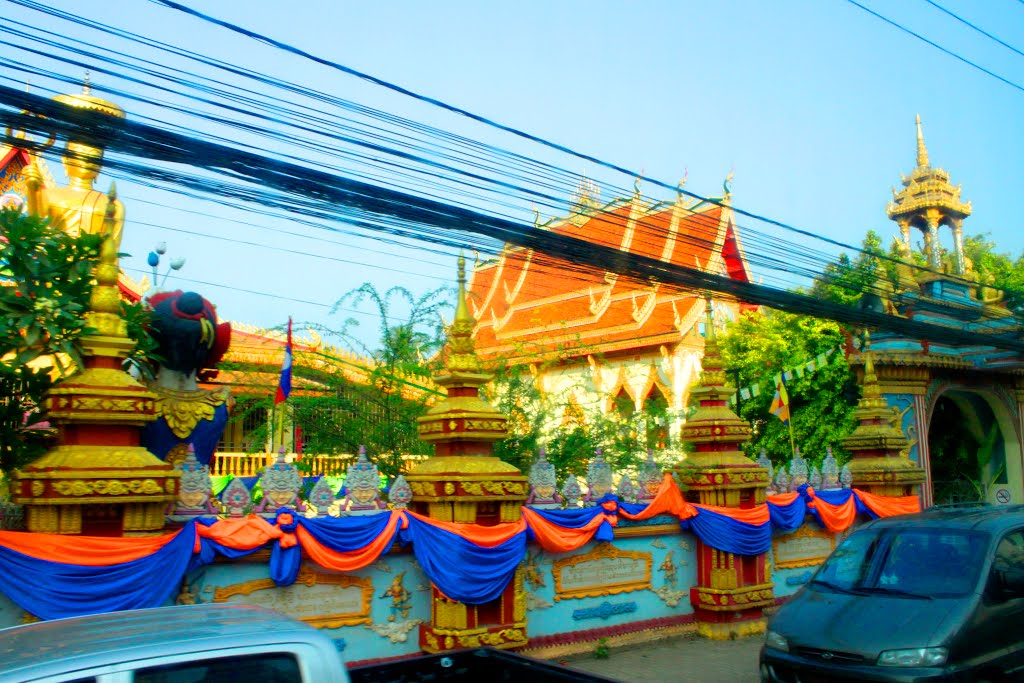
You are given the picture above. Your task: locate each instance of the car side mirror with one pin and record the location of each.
(1010, 582)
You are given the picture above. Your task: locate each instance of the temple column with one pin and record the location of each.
(958, 245)
(732, 590)
(934, 248)
(463, 482)
(905, 234)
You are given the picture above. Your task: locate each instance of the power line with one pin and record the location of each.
(342, 197)
(787, 252)
(937, 46)
(976, 28)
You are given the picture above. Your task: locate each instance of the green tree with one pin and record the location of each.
(570, 432)
(339, 414)
(762, 344)
(47, 279)
(844, 281)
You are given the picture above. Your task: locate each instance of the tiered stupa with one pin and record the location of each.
(465, 483)
(98, 480)
(878, 462)
(732, 590)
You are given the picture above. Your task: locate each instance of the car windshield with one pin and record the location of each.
(923, 563)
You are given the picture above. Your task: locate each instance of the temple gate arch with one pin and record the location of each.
(984, 412)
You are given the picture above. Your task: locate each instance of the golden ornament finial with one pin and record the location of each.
(922, 151)
(85, 84)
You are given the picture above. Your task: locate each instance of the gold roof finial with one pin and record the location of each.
(85, 84)
(922, 151)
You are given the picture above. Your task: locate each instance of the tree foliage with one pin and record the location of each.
(44, 293)
(341, 414)
(46, 279)
(570, 432)
(762, 344)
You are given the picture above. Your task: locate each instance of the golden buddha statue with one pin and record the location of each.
(77, 207)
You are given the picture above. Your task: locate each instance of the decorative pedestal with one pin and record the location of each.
(464, 483)
(99, 480)
(732, 590)
(879, 463)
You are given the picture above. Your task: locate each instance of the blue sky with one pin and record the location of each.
(812, 103)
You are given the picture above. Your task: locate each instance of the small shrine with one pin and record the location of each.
(362, 488)
(465, 483)
(599, 480)
(543, 485)
(879, 463)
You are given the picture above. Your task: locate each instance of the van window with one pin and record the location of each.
(910, 562)
(272, 667)
(1010, 552)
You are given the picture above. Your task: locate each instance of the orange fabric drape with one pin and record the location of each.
(243, 533)
(887, 506)
(350, 561)
(668, 501)
(754, 515)
(92, 551)
(783, 499)
(485, 536)
(557, 539)
(836, 518)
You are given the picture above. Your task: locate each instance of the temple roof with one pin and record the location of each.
(926, 188)
(528, 304)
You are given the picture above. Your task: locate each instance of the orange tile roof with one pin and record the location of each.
(527, 303)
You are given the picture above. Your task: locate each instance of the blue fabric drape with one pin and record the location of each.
(60, 590)
(787, 518)
(730, 535)
(285, 562)
(570, 518)
(345, 534)
(461, 569)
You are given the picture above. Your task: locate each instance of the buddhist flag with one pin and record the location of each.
(780, 403)
(284, 385)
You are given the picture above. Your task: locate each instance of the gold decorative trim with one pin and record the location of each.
(804, 531)
(649, 530)
(600, 552)
(308, 577)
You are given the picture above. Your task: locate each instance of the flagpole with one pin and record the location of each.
(792, 442)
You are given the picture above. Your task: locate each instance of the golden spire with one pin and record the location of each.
(922, 151)
(461, 308)
(709, 313)
(460, 351)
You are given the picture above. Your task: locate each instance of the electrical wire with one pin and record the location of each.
(973, 26)
(947, 51)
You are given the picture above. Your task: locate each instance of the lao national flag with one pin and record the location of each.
(284, 386)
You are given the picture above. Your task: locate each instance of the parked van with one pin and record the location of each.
(934, 596)
(224, 643)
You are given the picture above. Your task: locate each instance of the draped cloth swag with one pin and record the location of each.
(53, 576)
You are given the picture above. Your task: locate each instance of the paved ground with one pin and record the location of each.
(683, 658)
